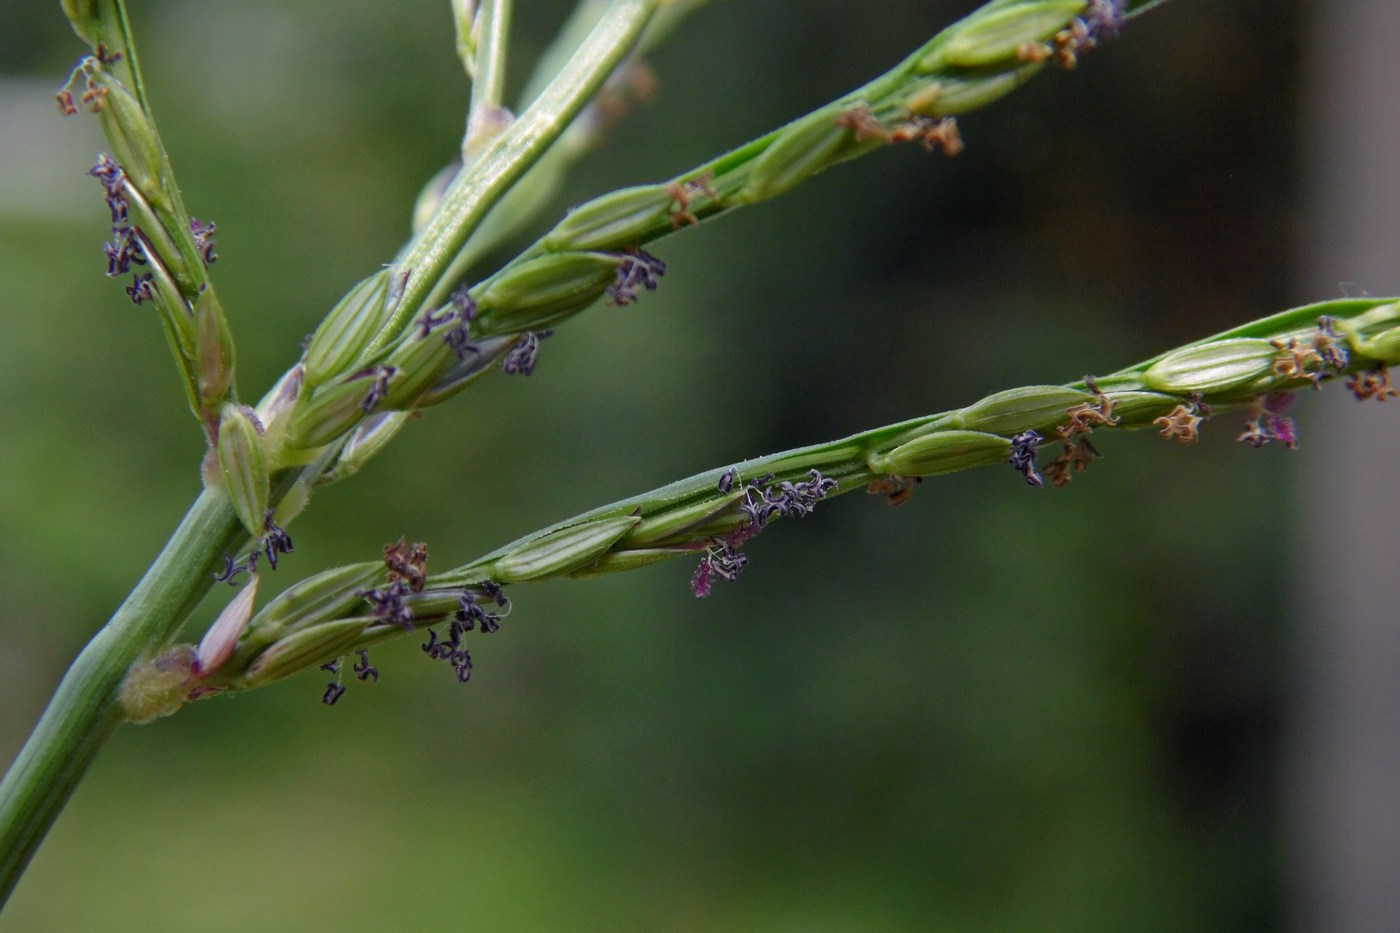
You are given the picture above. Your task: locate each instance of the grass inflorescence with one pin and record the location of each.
(1259, 367)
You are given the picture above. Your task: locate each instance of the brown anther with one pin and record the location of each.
(861, 121)
(680, 193)
(1327, 345)
(409, 564)
(906, 132)
(1180, 424)
(65, 103)
(685, 192)
(105, 57)
(896, 489)
(1372, 384)
(1035, 52)
(1294, 359)
(1070, 42)
(1083, 417)
(946, 134)
(929, 133)
(1075, 458)
(679, 215)
(94, 97)
(1068, 431)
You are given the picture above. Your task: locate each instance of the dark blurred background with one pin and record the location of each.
(993, 708)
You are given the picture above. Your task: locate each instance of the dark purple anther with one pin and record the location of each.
(122, 251)
(109, 172)
(451, 650)
(230, 572)
(524, 355)
(388, 604)
(463, 302)
(637, 269)
(204, 240)
(275, 541)
(471, 613)
(461, 661)
(432, 647)
(762, 502)
(141, 288)
(362, 668)
(117, 205)
(431, 320)
(1024, 449)
(459, 340)
(496, 593)
(727, 562)
(381, 375)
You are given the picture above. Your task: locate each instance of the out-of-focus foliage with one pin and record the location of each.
(993, 707)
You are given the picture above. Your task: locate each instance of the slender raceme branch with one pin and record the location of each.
(710, 515)
(151, 229)
(970, 64)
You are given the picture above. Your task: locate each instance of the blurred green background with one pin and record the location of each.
(992, 708)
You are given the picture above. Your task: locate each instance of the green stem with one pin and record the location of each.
(481, 183)
(463, 16)
(84, 712)
(488, 88)
(519, 207)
